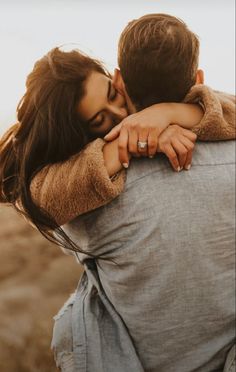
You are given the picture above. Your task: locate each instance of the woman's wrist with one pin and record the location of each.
(186, 115)
(111, 157)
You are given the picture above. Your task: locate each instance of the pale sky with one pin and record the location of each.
(29, 29)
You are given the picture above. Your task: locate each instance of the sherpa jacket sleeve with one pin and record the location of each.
(81, 184)
(78, 185)
(218, 122)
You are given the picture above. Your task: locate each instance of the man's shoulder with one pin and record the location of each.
(214, 153)
(205, 154)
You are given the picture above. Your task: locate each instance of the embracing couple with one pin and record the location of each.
(157, 245)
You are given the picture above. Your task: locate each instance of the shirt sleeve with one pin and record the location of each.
(218, 122)
(80, 184)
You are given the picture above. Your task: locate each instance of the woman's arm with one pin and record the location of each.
(218, 122)
(87, 180)
(210, 115)
(111, 158)
(82, 183)
(147, 126)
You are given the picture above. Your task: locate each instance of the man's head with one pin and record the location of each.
(158, 59)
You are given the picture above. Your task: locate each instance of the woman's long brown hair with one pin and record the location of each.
(48, 131)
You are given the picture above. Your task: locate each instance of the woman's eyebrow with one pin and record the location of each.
(108, 95)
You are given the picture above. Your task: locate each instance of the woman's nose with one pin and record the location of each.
(119, 112)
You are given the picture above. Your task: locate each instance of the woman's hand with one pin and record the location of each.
(177, 144)
(142, 127)
(139, 133)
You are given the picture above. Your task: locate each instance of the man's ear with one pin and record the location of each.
(118, 82)
(200, 77)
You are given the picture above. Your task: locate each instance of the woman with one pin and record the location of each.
(69, 101)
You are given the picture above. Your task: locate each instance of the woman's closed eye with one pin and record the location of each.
(98, 121)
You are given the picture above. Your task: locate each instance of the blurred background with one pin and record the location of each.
(35, 280)
(35, 276)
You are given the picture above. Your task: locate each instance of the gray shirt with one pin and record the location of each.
(170, 240)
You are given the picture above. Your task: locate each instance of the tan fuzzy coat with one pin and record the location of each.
(80, 184)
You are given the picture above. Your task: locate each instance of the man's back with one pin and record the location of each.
(172, 236)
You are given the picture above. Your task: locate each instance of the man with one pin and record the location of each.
(164, 299)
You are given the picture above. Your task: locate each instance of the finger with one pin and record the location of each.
(114, 133)
(133, 142)
(152, 143)
(189, 134)
(188, 161)
(169, 151)
(143, 137)
(190, 146)
(123, 147)
(181, 151)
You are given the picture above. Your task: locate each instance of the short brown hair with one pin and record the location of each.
(158, 59)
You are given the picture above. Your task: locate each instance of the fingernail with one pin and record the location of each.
(125, 165)
(151, 156)
(178, 169)
(188, 167)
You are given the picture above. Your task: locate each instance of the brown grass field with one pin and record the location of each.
(35, 280)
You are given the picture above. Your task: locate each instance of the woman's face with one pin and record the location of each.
(102, 107)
